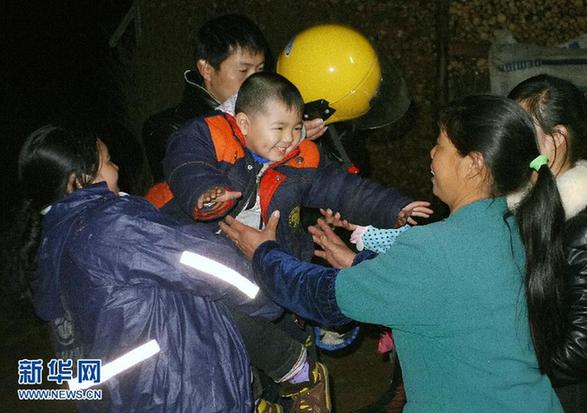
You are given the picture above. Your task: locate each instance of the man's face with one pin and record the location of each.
(234, 70)
(274, 132)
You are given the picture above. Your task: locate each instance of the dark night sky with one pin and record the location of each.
(53, 68)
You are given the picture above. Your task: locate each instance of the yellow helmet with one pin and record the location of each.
(334, 63)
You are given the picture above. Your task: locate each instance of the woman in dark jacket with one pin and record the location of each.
(559, 111)
(114, 269)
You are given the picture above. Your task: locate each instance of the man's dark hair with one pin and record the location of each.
(261, 87)
(218, 38)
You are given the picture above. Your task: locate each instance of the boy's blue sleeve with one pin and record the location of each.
(359, 200)
(190, 165)
(302, 287)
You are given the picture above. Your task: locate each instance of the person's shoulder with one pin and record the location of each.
(308, 156)
(165, 122)
(428, 233)
(576, 231)
(126, 205)
(211, 127)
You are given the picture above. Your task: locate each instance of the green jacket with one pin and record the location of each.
(452, 292)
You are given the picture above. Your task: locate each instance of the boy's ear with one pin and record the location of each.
(205, 69)
(242, 120)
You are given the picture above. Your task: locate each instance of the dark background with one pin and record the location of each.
(57, 64)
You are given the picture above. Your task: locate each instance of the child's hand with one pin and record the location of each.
(414, 209)
(216, 194)
(336, 220)
(334, 250)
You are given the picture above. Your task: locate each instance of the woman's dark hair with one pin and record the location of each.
(48, 157)
(260, 88)
(500, 130)
(552, 101)
(218, 38)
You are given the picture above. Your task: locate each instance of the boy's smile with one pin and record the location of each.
(273, 132)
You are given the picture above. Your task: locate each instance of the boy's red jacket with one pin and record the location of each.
(210, 152)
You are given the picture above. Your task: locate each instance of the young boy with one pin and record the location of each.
(257, 162)
(227, 50)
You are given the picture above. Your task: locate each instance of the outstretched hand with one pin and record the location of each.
(334, 250)
(216, 194)
(247, 238)
(414, 209)
(335, 219)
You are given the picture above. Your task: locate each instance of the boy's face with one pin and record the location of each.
(234, 70)
(273, 132)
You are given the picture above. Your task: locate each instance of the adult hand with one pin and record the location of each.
(414, 209)
(314, 128)
(247, 238)
(334, 250)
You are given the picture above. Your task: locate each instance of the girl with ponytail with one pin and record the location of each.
(557, 304)
(108, 273)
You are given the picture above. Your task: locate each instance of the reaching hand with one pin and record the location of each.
(216, 194)
(414, 209)
(247, 238)
(336, 220)
(314, 128)
(334, 250)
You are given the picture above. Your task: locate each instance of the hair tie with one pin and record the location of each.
(538, 162)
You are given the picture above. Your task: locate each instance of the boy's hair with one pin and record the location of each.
(218, 38)
(261, 87)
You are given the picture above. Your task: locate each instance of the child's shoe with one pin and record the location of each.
(263, 406)
(312, 396)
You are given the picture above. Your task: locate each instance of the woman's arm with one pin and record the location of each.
(302, 287)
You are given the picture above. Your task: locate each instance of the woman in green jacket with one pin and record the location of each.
(452, 291)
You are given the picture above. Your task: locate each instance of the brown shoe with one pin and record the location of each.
(312, 396)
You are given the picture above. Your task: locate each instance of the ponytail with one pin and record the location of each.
(19, 245)
(48, 157)
(541, 219)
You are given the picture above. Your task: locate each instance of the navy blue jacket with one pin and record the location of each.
(302, 287)
(113, 263)
(210, 151)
